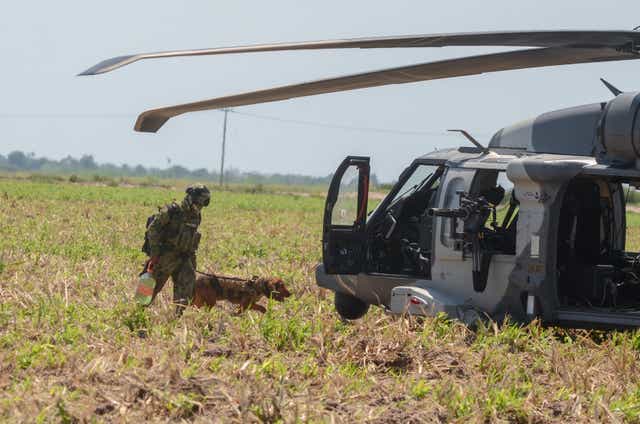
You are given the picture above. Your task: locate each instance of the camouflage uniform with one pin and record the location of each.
(172, 244)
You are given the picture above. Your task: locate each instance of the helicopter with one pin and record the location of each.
(449, 238)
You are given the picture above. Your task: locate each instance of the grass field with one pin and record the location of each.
(73, 346)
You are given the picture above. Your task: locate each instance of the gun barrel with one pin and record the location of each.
(447, 212)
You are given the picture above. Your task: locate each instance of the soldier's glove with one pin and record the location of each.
(152, 263)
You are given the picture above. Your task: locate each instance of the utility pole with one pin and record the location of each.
(224, 141)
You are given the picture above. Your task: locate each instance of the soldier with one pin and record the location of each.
(171, 243)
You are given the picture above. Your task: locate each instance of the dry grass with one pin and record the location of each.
(73, 347)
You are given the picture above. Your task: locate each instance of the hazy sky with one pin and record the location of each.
(47, 110)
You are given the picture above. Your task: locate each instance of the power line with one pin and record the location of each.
(344, 127)
(72, 115)
(318, 124)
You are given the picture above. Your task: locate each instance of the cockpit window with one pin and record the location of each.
(417, 179)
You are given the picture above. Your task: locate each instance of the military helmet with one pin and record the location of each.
(199, 194)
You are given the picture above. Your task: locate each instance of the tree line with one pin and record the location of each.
(18, 161)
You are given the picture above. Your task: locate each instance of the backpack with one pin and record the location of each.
(174, 209)
(146, 248)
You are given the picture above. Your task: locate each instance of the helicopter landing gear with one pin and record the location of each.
(350, 307)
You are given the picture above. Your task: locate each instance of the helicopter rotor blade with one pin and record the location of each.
(153, 120)
(580, 39)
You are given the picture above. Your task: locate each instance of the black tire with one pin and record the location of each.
(350, 307)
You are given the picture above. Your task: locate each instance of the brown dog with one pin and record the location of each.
(245, 293)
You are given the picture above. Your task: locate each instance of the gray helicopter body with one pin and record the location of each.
(565, 261)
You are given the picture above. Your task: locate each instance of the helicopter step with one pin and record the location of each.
(592, 317)
(423, 301)
(430, 302)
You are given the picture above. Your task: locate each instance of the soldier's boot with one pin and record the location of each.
(184, 281)
(181, 304)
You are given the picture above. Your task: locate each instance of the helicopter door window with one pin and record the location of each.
(345, 210)
(343, 234)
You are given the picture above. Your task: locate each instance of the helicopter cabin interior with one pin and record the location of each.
(595, 271)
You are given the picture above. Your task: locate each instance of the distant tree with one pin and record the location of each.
(155, 172)
(201, 173)
(18, 160)
(69, 163)
(87, 162)
(109, 169)
(177, 171)
(140, 171)
(373, 180)
(252, 177)
(37, 163)
(232, 175)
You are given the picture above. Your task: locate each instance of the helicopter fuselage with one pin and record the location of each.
(553, 249)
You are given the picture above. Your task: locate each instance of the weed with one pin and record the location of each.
(39, 355)
(420, 389)
(190, 371)
(351, 370)
(309, 367)
(506, 402)
(634, 339)
(274, 367)
(215, 364)
(63, 415)
(513, 336)
(137, 319)
(628, 405)
(183, 405)
(457, 401)
(285, 334)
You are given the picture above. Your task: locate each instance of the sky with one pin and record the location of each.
(46, 109)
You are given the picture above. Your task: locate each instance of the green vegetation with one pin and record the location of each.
(74, 347)
(86, 168)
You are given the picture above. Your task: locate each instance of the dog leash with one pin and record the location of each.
(223, 276)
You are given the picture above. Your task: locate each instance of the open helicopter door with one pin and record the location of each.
(345, 215)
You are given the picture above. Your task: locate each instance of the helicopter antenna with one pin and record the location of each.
(610, 86)
(472, 139)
